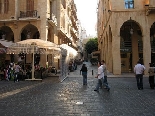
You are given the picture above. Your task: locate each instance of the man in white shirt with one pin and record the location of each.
(100, 75)
(104, 80)
(139, 70)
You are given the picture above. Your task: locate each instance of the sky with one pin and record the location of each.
(86, 13)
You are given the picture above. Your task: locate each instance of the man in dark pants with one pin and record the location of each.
(139, 70)
(104, 80)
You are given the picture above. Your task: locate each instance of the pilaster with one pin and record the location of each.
(116, 55)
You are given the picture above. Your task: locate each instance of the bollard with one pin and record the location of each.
(92, 72)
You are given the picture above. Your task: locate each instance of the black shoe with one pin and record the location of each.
(96, 90)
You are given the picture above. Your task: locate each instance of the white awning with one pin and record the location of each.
(71, 51)
(6, 43)
(40, 47)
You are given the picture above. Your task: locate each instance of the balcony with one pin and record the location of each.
(28, 14)
(52, 20)
(150, 6)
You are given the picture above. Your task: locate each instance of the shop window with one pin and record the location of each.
(129, 4)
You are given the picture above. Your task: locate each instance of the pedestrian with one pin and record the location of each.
(104, 80)
(84, 73)
(17, 70)
(99, 76)
(151, 75)
(139, 71)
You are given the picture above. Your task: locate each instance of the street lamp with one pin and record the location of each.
(131, 29)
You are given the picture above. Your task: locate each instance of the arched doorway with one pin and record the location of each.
(30, 32)
(7, 37)
(131, 45)
(152, 41)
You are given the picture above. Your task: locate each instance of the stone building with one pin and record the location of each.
(51, 20)
(126, 33)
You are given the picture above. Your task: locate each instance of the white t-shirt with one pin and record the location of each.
(139, 69)
(100, 72)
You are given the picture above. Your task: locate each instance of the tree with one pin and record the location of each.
(91, 45)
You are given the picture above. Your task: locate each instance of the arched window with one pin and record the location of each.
(6, 6)
(129, 4)
(30, 5)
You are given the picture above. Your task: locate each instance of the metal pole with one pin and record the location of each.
(33, 64)
(92, 72)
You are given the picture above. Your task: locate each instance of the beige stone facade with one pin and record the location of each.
(52, 20)
(126, 33)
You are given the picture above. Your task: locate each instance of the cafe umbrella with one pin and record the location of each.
(34, 46)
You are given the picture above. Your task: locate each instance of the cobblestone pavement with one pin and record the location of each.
(71, 98)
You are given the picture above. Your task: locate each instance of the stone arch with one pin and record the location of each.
(6, 33)
(131, 45)
(29, 31)
(152, 41)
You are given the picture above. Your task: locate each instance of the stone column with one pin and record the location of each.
(146, 51)
(16, 39)
(16, 9)
(135, 53)
(116, 54)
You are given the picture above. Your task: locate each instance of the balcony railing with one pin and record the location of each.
(126, 46)
(24, 14)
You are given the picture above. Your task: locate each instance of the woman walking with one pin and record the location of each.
(84, 74)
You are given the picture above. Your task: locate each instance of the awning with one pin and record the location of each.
(6, 43)
(40, 47)
(96, 53)
(71, 52)
(34, 46)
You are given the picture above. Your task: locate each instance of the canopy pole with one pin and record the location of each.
(33, 64)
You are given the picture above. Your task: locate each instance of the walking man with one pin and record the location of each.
(151, 75)
(84, 74)
(100, 75)
(104, 80)
(139, 71)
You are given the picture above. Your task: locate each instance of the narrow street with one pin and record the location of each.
(71, 98)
